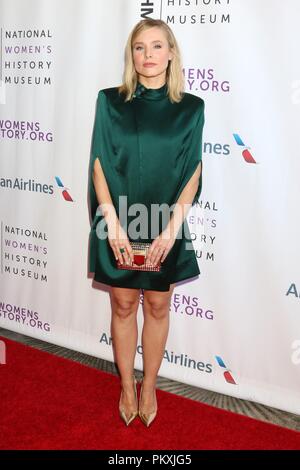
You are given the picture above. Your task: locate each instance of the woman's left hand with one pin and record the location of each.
(160, 247)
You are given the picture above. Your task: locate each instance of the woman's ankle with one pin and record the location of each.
(127, 383)
(149, 383)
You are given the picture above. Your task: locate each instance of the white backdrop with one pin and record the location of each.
(234, 330)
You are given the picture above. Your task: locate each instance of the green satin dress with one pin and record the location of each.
(148, 148)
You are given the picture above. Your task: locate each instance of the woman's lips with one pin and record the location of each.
(149, 65)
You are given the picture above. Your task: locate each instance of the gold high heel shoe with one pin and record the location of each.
(122, 411)
(147, 418)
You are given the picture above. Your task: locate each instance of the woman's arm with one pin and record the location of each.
(103, 194)
(116, 235)
(184, 202)
(166, 239)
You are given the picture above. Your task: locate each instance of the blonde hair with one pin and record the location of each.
(174, 74)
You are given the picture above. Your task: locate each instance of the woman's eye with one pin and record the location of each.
(139, 47)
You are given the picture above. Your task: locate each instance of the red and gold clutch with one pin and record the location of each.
(140, 250)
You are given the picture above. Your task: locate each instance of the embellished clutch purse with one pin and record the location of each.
(140, 250)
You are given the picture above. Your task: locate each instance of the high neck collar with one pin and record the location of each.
(150, 93)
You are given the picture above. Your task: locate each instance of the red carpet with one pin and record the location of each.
(48, 402)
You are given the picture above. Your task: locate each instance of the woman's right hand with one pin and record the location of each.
(117, 239)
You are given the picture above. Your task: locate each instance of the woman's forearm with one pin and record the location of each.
(103, 194)
(184, 202)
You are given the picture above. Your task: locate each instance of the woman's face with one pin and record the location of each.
(151, 46)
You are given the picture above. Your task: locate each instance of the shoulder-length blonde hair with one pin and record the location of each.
(174, 73)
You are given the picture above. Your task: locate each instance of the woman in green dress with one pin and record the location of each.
(146, 150)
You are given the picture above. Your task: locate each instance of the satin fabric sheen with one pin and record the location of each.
(148, 148)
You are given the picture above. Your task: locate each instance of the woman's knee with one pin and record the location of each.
(157, 304)
(124, 303)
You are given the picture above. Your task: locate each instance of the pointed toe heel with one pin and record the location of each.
(132, 415)
(147, 418)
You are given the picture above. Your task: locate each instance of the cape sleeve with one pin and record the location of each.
(98, 150)
(194, 155)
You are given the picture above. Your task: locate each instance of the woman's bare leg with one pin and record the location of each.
(154, 337)
(124, 332)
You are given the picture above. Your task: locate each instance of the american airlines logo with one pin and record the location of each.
(227, 373)
(64, 191)
(245, 150)
(21, 184)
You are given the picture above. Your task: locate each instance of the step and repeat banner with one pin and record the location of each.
(236, 328)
